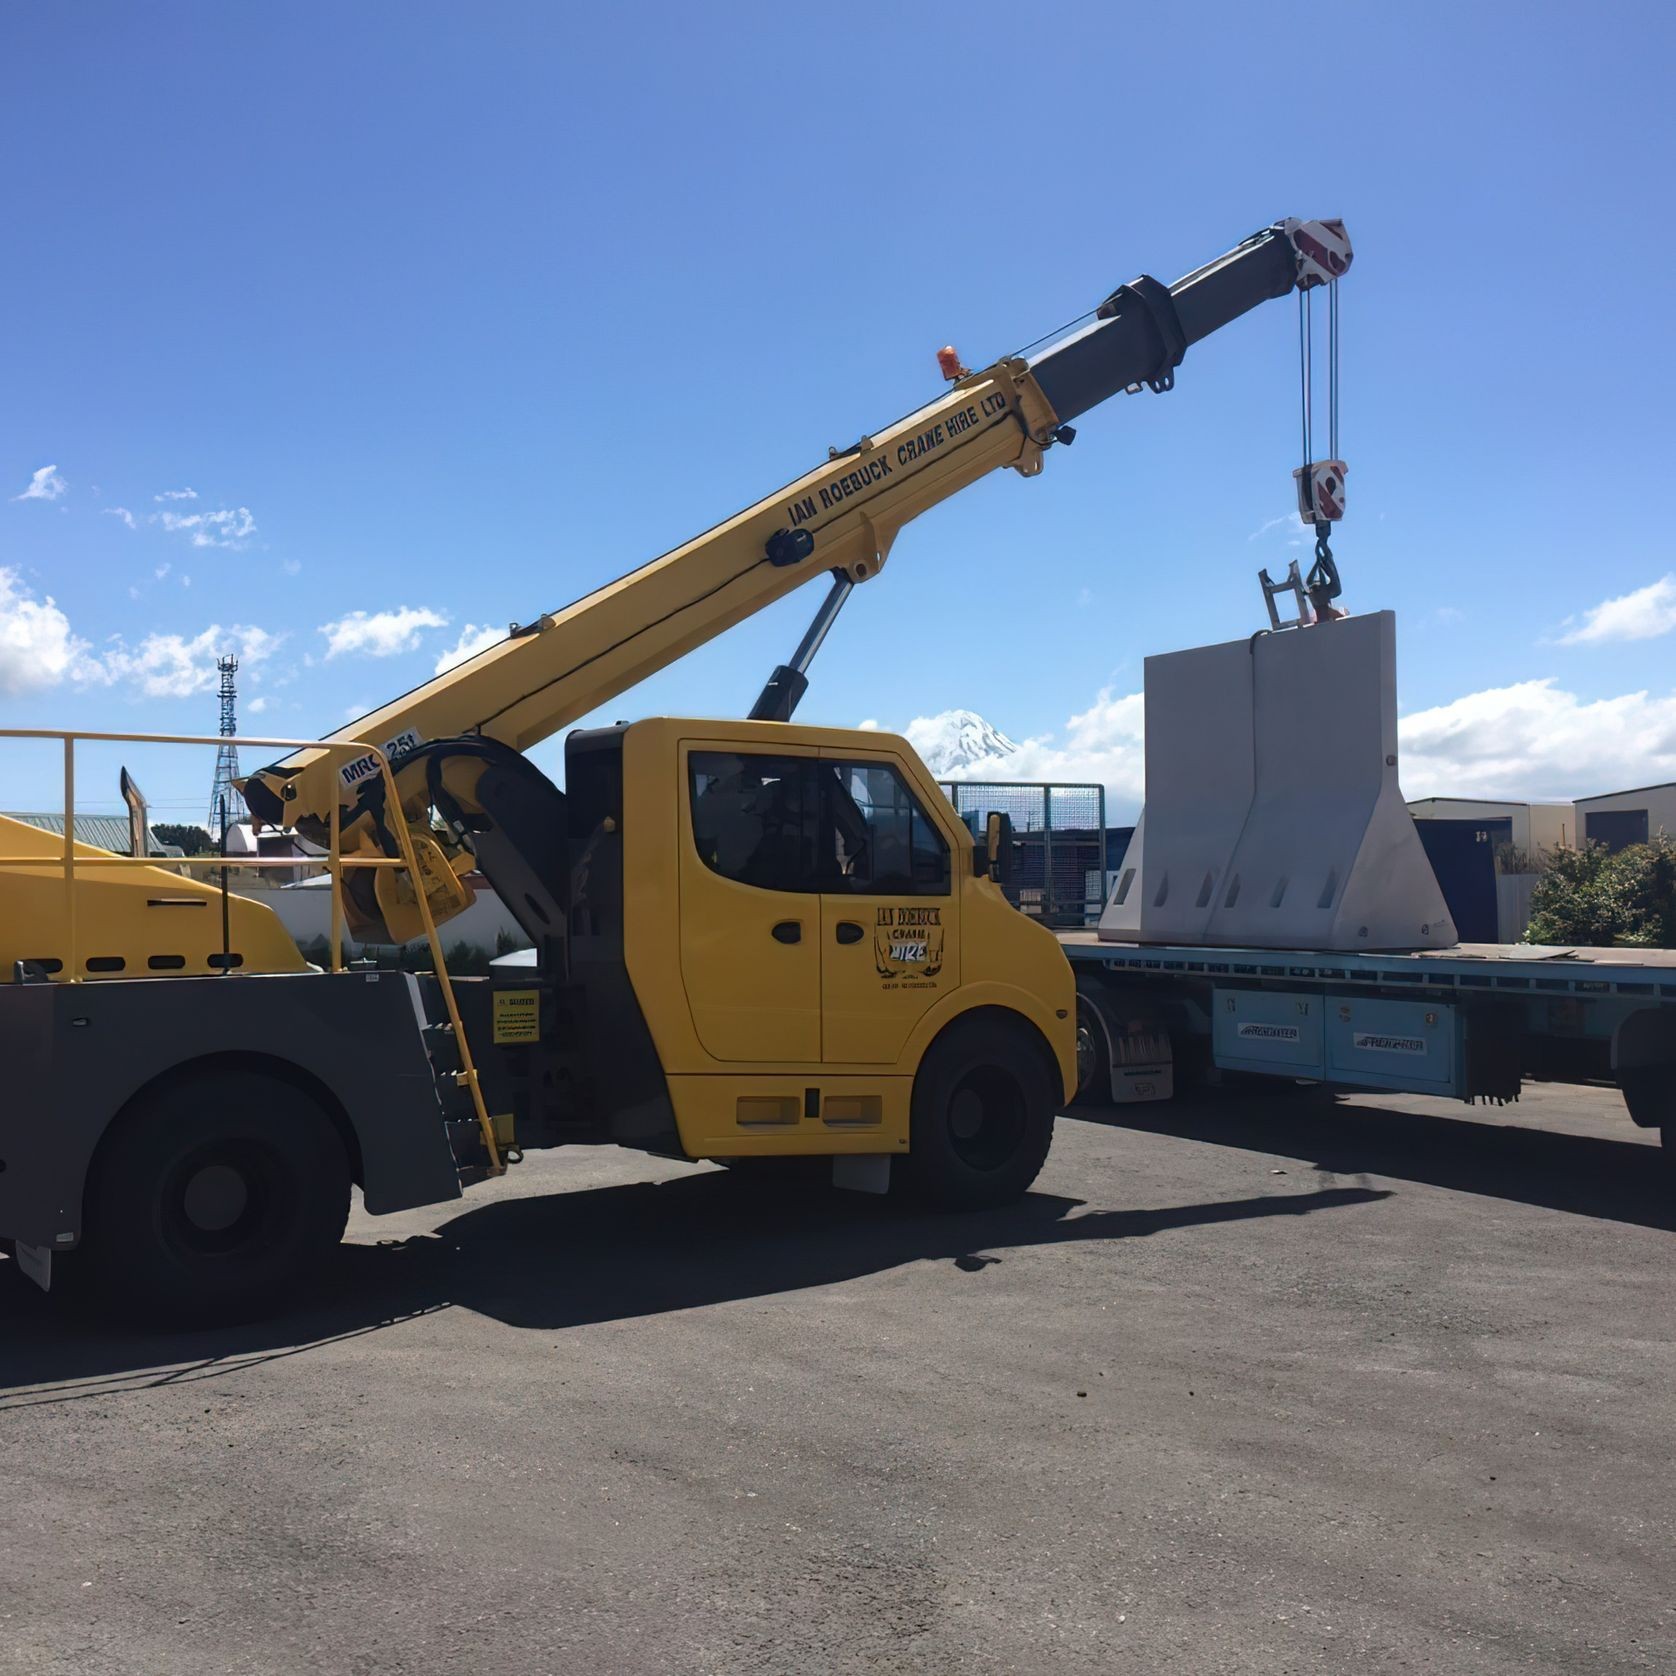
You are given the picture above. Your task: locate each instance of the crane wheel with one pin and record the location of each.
(217, 1198)
(982, 1116)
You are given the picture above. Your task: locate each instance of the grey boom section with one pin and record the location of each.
(1149, 327)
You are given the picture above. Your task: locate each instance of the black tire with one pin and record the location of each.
(1667, 1149)
(982, 1116)
(1649, 1093)
(216, 1199)
(1094, 1066)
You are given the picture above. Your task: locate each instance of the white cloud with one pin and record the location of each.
(256, 706)
(380, 634)
(160, 572)
(472, 641)
(44, 484)
(1536, 740)
(1103, 744)
(1533, 740)
(1642, 615)
(1287, 528)
(230, 527)
(178, 666)
(37, 647)
(292, 567)
(186, 581)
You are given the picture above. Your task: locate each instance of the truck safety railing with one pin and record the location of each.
(335, 863)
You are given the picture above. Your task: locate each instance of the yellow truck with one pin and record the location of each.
(748, 938)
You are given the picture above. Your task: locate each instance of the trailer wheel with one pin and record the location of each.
(1649, 1093)
(982, 1116)
(1094, 1069)
(215, 1199)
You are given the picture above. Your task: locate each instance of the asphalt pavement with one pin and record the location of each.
(1249, 1384)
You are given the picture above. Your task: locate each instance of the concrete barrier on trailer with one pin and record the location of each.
(1273, 816)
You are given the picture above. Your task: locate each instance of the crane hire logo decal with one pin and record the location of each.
(877, 467)
(908, 946)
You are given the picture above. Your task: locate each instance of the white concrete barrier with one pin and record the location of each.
(1273, 816)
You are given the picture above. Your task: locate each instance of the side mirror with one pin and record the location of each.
(994, 855)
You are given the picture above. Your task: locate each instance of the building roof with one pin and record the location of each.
(1632, 791)
(104, 832)
(1487, 802)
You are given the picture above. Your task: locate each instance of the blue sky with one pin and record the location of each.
(460, 311)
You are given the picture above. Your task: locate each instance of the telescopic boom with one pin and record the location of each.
(838, 520)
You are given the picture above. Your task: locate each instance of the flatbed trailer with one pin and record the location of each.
(1472, 1022)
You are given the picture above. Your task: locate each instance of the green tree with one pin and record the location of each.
(193, 840)
(1594, 898)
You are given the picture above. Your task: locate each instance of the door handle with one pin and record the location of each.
(849, 931)
(788, 931)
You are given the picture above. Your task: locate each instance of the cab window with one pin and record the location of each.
(756, 818)
(883, 843)
(794, 824)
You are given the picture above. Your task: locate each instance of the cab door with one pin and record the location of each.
(890, 922)
(750, 903)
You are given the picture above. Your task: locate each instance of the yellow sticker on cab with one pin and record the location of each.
(517, 1015)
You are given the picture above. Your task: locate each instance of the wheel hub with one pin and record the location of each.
(1087, 1057)
(966, 1114)
(215, 1198)
(985, 1118)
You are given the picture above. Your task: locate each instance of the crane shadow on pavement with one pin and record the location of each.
(1587, 1175)
(569, 1259)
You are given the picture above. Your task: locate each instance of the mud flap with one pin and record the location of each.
(36, 1262)
(862, 1172)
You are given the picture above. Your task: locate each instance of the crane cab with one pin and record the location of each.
(773, 935)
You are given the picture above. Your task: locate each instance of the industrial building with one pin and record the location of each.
(1618, 819)
(1532, 827)
(105, 832)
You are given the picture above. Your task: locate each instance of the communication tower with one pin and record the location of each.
(227, 755)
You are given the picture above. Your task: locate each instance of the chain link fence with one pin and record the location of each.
(1059, 865)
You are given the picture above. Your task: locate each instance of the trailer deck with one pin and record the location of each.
(1502, 966)
(1472, 1021)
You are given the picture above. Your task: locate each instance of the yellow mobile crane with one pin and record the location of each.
(749, 938)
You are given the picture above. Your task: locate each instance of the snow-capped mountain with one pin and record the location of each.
(960, 744)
